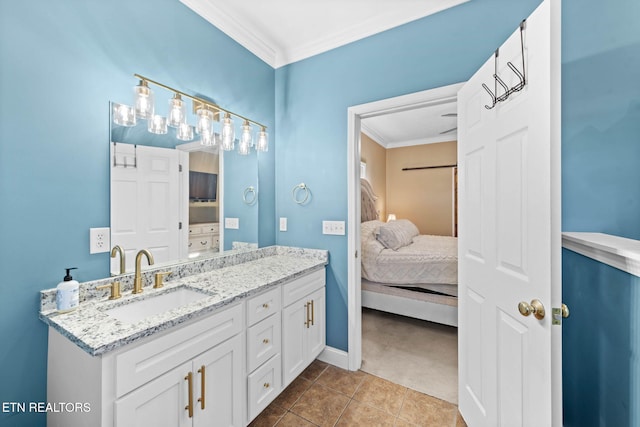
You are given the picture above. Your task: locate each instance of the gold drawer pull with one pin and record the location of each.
(265, 341)
(306, 320)
(265, 305)
(202, 387)
(189, 407)
(267, 385)
(313, 314)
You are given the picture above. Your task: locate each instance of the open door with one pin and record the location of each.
(510, 371)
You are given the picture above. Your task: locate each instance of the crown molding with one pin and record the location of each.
(375, 137)
(258, 44)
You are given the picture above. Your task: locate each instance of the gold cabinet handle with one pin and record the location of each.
(202, 387)
(265, 305)
(536, 308)
(267, 385)
(265, 341)
(159, 278)
(115, 289)
(306, 320)
(189, 406)
(313, 314)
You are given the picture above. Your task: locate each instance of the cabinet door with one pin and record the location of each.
(316, 332)
(294, 341)
(159, 403)
(223, 385)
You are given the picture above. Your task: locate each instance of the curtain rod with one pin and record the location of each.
(430, 167)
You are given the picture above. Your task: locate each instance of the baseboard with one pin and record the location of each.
(335, 357)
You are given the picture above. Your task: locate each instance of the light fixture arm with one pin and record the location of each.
(196, 99)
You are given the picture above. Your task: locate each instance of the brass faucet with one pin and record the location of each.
(116, 249)
(137, 281)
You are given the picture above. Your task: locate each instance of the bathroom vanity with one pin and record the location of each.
(214, 346)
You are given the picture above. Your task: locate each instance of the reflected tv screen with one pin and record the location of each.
(203, 186)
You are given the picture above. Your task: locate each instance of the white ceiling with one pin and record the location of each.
(284, 31)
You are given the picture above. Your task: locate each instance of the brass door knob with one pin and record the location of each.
(536, 308)
(565, 311)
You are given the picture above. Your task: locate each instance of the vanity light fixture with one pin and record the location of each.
(177, 111)
(246, 140)
(124, 115)
(227, 134)
(262, 143)
(207, 113)
(184, 132)
(157, 124)
(143, 100)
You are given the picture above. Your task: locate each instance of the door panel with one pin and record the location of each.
(509, 244)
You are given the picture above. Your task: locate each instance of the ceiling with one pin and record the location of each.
(284, 31)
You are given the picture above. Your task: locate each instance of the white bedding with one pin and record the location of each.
(428, 260)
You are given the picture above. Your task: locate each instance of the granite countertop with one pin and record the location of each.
(96, 332)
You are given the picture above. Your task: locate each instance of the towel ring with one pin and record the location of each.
(297, 189)
(250, 195)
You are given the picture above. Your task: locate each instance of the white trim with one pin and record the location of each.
(335, 357)
(258, 44)
(618, 252)
(354, 115)
(433, 140)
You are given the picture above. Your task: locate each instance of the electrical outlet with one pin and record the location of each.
(283, 224)
(99, 240)
(333, 227)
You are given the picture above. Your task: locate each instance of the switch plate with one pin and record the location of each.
(232, 223)
(333, 227)
(99, 240)
(283, 224)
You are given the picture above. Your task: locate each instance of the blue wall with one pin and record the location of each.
(61, 64)
(601, 344)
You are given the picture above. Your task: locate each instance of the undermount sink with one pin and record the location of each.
(138, 310)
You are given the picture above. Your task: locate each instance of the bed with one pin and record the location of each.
(404, 272)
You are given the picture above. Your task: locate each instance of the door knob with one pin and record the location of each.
(565, 310)
(536, 308)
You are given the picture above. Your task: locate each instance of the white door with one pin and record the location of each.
(147, 204)
(509, 245)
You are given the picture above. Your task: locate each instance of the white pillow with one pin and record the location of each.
(396, 234)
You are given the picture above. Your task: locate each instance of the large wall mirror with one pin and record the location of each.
(178, 199)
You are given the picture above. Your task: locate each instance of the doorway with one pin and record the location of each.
(356, 114)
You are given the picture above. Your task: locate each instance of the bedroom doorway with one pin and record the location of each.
(443, 100)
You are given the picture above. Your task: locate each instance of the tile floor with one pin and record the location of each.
(324, 395)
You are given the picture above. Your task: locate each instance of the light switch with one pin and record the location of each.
(333, 227)
(232, 223)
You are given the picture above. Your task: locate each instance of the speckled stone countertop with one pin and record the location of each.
(223, 282)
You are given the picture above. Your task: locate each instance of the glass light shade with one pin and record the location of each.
(205, 121)
(227, 134)
(262, 143)
(207, 138)
(157, 125)
(184, 132)
(246, 138)
(391, 217)
(143, 97)
(123, 115)
(177, 111)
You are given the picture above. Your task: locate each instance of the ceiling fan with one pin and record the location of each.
(452, 129)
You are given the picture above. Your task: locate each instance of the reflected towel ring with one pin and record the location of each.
(250, 195)
(295, 192)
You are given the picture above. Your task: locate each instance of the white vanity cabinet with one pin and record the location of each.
(220, 369)
(150, 383)
(303, 323)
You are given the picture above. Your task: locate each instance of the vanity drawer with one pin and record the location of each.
(212, 228)
(199, 243)
(195, 229)
(263, 305)
(263, 386)
(147, 361)
(303, 286)
(263, 341)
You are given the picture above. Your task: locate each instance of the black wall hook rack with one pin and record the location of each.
(497, 80)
